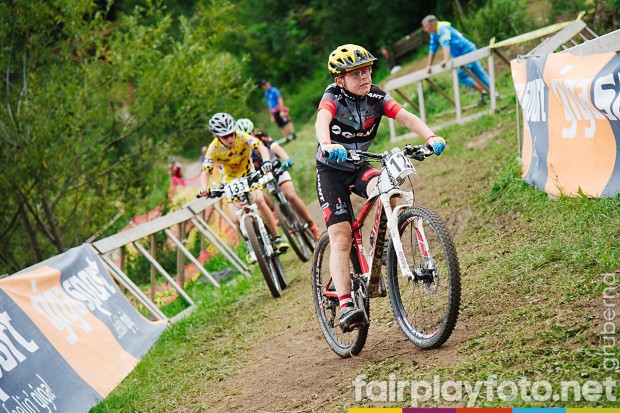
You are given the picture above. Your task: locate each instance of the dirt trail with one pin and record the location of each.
(292, 369)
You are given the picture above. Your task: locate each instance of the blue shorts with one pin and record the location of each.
(477, 69)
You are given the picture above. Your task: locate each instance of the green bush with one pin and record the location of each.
(501, 19)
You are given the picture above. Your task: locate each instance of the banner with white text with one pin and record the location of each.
(68, 335)
(571, 112)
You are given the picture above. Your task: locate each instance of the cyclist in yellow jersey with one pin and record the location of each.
(232, 149)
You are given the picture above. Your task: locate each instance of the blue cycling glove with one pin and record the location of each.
(287, 164)
(336, 152)
(437, 143)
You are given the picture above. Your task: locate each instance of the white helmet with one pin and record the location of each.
(222, 124)
(245, 125)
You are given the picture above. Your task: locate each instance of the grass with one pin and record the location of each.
(533, 283)
(166, 379)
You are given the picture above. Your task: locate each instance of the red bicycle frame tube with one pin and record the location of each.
(357, 241)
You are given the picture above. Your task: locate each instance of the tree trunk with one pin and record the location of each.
(31, 234)
(52, 226)
(9, 261)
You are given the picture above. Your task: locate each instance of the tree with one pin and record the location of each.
(90, 108)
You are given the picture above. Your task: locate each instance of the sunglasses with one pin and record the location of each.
(230, 135)
(357, 74)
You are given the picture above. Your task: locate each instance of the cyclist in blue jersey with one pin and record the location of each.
(348, 118)
(453, 44)
(279, 112)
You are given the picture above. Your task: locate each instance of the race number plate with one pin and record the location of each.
(399, 166)
(236, 188)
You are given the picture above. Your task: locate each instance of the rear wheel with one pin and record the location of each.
(308, 237)
(427, 306)
(293, 230)
(265, 263)
(328, 309)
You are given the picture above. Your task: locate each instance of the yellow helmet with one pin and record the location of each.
(348, 57)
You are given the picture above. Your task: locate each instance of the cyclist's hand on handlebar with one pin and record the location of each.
(438, 144)
(204, 193)
(418, 152)
(335, 152)
(266, 166)
(287, 163)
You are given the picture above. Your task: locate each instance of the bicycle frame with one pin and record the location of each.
(250, 210)
(386, 218)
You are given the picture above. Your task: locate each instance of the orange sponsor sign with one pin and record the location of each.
(571, 109)
(78, 325)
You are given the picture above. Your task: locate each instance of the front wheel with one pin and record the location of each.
(265, 263)
(327, 307)
(427, 306)
(279, 271)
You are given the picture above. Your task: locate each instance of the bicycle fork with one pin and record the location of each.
(392, 224)
(250, 212)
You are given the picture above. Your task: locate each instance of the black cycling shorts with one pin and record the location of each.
(334, 188)
(280, 121)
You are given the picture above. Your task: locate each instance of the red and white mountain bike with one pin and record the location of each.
(422, 268)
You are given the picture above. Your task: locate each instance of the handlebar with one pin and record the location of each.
(418, 152)
(255, 176)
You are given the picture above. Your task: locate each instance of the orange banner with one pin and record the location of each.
(72, 334)
(571, 112)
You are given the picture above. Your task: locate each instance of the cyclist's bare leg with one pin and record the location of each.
(371, 185)
(340, 245)
(269, 203)
(298, 205)
(235, 219)
(259, 199)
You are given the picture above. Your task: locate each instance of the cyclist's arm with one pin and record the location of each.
(279, 151)
(263, 152)
(413, 123)
(323, 119)
(204, 179)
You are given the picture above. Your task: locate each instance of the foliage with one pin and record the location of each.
(90, 106)
(601, 15)
(304, 32)
(508, 17)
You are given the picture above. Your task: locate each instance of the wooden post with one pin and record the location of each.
(123, 253)
(412, 103)
(421, 100)
(153, 270)
(457, 95)
(501, 56)
(440, 91)
(181, 257)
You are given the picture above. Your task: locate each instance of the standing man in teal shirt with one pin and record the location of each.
(453, 44)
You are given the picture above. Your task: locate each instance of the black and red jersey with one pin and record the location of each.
(355, 119)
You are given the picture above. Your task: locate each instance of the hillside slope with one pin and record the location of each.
(532, 305)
